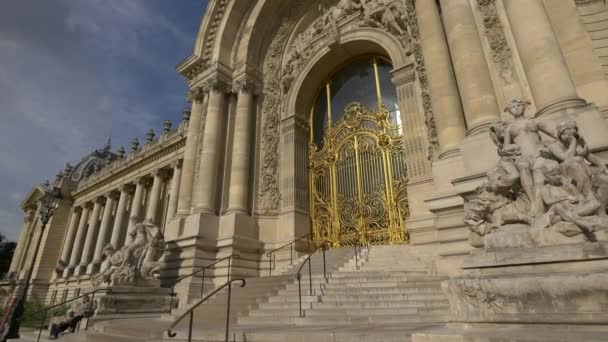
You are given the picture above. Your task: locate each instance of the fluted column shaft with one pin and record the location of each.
(71, 235)
(210, 155)
(30, 236)
(80, 236)
(104, 230)
(540, 53)
(151, 212)
(136, 208)
(472, 73)
(118, 232)
(91, 237)
(175, 190)
(190, 154)
(451, 126)
(238, 193)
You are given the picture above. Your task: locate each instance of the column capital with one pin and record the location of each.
(246, 85)
(162, 173)
(215, 84)
(101, 199)
(196, 94)
(144, 180)
(177, 164)
(128, 188)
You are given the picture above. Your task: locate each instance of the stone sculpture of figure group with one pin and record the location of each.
(136, 263)
(560, 185)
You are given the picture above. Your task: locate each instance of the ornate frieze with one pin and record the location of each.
(494, 32)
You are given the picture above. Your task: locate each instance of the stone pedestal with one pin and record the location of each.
(519, 283)
(134, 299)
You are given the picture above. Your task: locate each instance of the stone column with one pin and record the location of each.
(118, 231)
(104, 230)
(136, 207)
(238, 193)
(173, 196)
(71, 235)
(472, 73)
(445, 98)
(91, 237)
(211, 151)
(197, 96)
(541, 56)
(151, 212)
(78, 241)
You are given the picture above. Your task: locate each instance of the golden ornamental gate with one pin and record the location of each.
(358, 181)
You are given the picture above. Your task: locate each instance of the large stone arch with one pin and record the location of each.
(353, 43)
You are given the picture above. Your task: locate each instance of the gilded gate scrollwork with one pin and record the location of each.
(358, 181)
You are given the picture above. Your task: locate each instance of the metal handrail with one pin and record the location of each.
(203, 269)
(323, 246)
(190, 311)
(269, 254)
(45, 310)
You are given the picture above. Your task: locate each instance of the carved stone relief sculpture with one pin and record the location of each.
(537, 189)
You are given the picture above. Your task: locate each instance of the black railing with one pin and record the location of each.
(190, 311)
(203, 269)
(45, 310)
(291, 245)
(299, 273)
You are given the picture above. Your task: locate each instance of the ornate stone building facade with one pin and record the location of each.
(359, 121)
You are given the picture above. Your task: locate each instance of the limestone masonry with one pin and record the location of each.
(469, 135)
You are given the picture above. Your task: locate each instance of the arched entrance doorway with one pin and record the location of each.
(357, 164)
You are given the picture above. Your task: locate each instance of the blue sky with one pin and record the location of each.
(72, 72)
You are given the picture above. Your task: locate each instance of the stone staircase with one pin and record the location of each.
(386, 295)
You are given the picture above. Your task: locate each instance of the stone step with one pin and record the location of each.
(336, 290)
(381, 297)
(356, 305)
(354, 312)
(341, 320)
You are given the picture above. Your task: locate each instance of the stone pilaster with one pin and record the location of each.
(238, 193)
(22, 242)
(91, 237)
(472, 73)
(136, 206)
(199, 99)
(206, 189)
(154, 200)
(78, 241)
(451, 126)
(71, 235)
(540, 53)
(175, 189)
(118, 231)
(104, 232)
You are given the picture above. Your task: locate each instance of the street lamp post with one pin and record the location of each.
(47, 209)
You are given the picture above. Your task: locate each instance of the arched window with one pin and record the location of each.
(366, 80)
